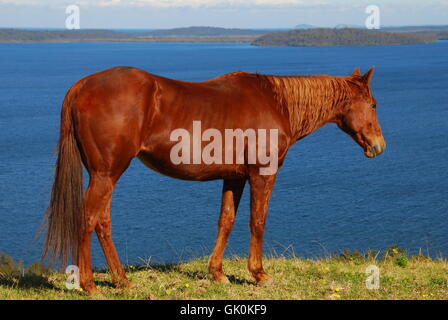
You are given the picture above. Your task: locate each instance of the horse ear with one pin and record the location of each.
(368, 75)
(356, 72)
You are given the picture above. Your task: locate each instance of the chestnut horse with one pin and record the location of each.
(110, 117)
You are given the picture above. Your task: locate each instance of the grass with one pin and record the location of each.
(340, 277)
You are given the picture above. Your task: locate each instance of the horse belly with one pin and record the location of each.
(162, 164)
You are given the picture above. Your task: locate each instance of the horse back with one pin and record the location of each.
(134, 112)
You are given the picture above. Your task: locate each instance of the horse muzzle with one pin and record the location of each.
(376, 148)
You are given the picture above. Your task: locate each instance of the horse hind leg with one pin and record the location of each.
(107, 147)
(95, 201)
(231, 195)
(97, 217)
(104, 233)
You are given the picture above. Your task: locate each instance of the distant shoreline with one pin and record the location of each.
(223, 39)
(257, 37)
(325, 37)
(185, 41)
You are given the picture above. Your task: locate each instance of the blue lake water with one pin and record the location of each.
(328, 196)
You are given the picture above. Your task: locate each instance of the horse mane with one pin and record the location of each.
(310, 100)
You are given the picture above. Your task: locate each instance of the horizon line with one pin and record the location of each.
(243, 28)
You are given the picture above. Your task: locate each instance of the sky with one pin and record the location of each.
(155, 14)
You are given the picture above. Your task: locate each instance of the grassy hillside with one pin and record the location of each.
(342, 37)
(338, 278)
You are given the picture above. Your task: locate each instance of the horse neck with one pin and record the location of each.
(309, 101)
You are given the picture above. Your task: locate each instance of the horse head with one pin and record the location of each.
(358, 116)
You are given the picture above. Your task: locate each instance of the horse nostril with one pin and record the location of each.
(377, 149)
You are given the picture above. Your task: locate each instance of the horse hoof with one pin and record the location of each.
(92, 291)
(131, 284)
(125, 284)
(224, 280)
(221, 278)
(264, 281)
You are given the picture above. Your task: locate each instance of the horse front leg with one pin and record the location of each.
(260, 191)
(231, 195)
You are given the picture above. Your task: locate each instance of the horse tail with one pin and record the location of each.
(64, 216)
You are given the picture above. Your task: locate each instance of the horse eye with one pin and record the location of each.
(374, 106)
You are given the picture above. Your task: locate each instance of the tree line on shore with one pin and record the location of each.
(342, 37)
(296, 37)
